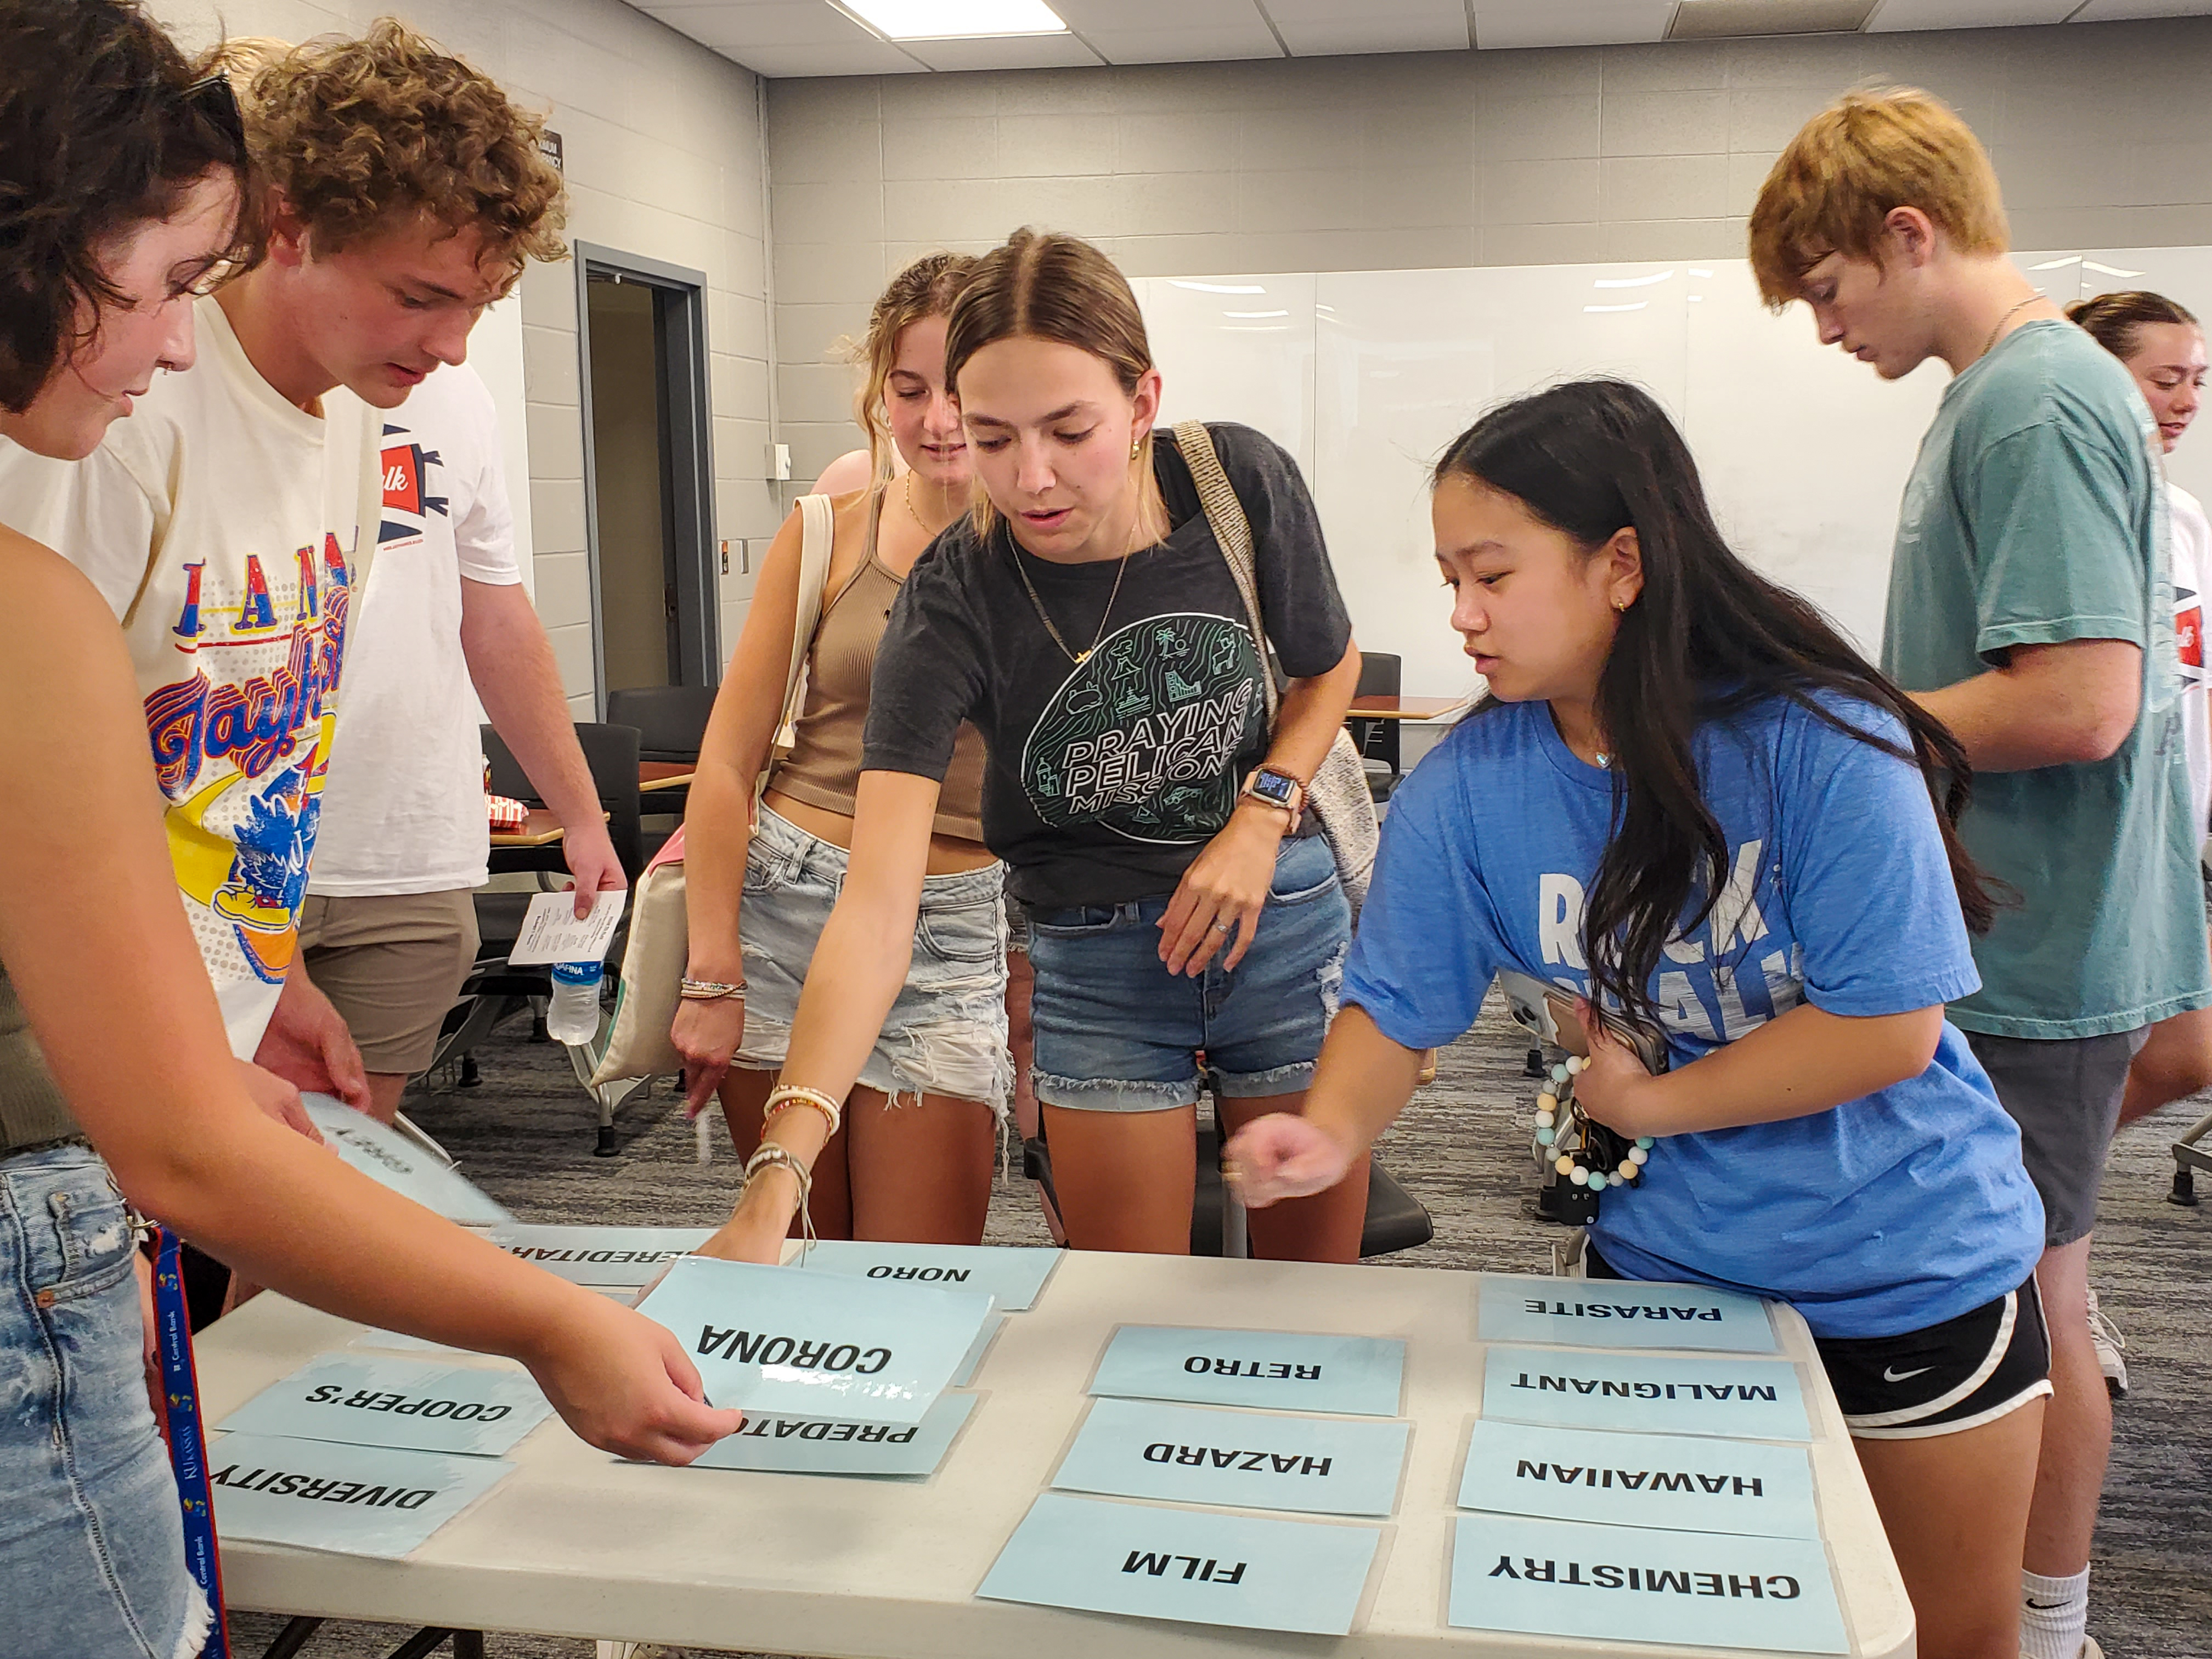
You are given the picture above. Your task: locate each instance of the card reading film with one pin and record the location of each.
(1252, 1459)
(1620, 1313)
(1645, 1392)
(413, 1404)
(1283, 1371)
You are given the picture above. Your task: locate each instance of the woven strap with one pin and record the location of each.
(1232, 533)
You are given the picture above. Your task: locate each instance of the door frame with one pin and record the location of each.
(688, 433)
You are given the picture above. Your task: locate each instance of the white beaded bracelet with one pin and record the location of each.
(792, 1094)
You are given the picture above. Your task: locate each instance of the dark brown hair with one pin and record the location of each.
(2113, 319)
(99, 131)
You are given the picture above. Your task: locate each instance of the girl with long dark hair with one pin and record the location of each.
(1686, 798)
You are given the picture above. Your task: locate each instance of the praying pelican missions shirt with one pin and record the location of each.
(224, 524)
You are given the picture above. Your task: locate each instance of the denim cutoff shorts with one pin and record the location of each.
(1116, 1032)
(92, 1543)
(946, 1034)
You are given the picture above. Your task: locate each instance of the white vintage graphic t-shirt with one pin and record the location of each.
(2191, 552)
(221, 523)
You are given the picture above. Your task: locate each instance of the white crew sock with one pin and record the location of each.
(2054, 1615)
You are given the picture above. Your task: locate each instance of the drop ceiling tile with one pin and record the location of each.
(1005, 51)
(1892, 15)
(1320, 38)
(1205, 42)
(795, 62)
(2112, 11)
(763, 23)
(1599, 23)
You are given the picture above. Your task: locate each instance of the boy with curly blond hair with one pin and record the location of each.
(2031, 610)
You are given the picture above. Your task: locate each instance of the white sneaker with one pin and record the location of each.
(2106, 1337)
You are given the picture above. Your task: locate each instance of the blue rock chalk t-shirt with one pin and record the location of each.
(1887, 1214)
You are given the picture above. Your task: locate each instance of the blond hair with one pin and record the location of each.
(1870, 152)
(924, 290)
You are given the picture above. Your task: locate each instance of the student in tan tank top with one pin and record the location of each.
(912, 1161)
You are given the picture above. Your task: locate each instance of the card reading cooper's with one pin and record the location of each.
(411, 1403)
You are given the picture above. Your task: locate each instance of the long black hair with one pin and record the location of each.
(1707, 637)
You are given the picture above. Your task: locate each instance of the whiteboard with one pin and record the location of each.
(1365, 377)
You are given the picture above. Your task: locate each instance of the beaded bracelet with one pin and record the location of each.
(709, 990)
(792, 1094)
(773, 1154)
(1588, 1153)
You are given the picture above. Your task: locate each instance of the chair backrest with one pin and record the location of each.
(671, 720)
(611, 752)
(1379, 675)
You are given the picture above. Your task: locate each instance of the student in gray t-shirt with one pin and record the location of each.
(2031, 609)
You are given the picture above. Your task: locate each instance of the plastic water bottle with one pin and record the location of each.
(574, 1017)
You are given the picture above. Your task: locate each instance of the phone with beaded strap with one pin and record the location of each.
(1549, 1012)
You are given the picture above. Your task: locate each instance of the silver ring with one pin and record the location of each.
(1225, 926)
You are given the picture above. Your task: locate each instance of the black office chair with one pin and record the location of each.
(671, 723)
(1379, 740)
(611, 752)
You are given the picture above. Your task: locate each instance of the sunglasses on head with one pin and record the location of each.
(215, 99)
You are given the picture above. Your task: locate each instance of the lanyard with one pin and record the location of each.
(180, 1408)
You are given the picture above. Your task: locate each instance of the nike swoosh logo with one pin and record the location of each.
(2046, 1606)
(1889, 1376)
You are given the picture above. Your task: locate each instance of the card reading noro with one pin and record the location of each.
(1650, 1393)
(1681, 1481)
(607, 1257)
(1253, 1460)
(800, 1445)
(410, 1403)
(1359, 1375)
(358, 1500)
(408, 1167)
(1014, 1273)
(1202, 1566)
(1558, 1578)
(1608, 1313)
(782, 1341)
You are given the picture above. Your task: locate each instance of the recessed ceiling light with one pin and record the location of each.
(955, 19)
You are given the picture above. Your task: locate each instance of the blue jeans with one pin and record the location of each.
(92, 1551)
(1116, 1032)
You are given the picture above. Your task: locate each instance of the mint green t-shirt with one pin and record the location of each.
(2036, 513)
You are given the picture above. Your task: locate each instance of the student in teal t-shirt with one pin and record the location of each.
(2031, 610)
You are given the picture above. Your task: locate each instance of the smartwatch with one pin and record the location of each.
(1278, 789)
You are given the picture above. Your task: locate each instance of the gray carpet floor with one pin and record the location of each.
(525, 1135)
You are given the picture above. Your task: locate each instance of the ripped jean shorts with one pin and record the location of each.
(1116, 1032)
(946, 1034)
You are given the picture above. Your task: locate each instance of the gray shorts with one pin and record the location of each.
(2065, 1095)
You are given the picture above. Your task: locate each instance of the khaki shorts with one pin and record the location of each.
(391, 964)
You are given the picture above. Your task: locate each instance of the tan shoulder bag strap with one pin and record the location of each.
(1232, 531)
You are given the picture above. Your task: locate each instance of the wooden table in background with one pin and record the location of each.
(1384, 707)
(654, 775)
(543, 829)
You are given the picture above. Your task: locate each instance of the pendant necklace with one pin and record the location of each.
(1044, 616)
(2003, 320)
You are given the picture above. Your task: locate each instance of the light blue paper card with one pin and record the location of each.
(408, 1403)
(1285, 1371)
(1201, 1566)
(408, 1167)
(1321, 1464)
(1608, 1313)
(798, 1445)
(782, 1341)
(1648, 1393)
(602, 1256)
(1014, 1273)
(1678, 1482)
(1633, 1584)
(977, 1349)
(358, 1500)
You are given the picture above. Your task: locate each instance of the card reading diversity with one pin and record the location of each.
(1653, 1393)
(613, 1257)
(1635, 1584)
(1606, 1313)
(1013, 1274)
(1325, 1465)
(1680, 1481)
(406, 1166)
(1202, 1566)
(358, 1500)
(1359, 1375)
(406, 1403)
(782, 1341)
(800, 1445)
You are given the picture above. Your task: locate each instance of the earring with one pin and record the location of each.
(1135, 444)
(1621, 606)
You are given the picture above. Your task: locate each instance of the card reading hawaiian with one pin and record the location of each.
(1202, 1566)
(1680, 1481)
(410, 1403)
(358, 1500)
(1255, 1460)
(800, 1445)
(1012, 1272)
(602, 1256)
(1558, 1578)
(783, 1341)
(408, 1167)
(1286, 1370)
(1650, 1394)
(1610, 1313)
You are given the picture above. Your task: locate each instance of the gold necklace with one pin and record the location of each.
(906, 494)
(2003, 320)
(1073, 656)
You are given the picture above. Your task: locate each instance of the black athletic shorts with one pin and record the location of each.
(1958, 1374)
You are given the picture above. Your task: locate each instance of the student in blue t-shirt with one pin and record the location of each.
(1688, 796)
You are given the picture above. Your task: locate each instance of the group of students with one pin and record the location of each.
(1902, 931)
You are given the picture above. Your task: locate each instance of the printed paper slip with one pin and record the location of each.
(406, 1403)
(1608, 1313)
(552, 932)
(784, 1341)
(1323, 1465)
(1200, 1566)
(1013, 1274)
(356, 1500)
(1633, 1584)
(405, 1165)
(633, 1256)
(800, 1445)
(1363, 1376)
(1652, 1394)
(1640, 1480)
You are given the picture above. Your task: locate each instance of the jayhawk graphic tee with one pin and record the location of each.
(1106, 777)
(221, 523)
(2193, 569)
